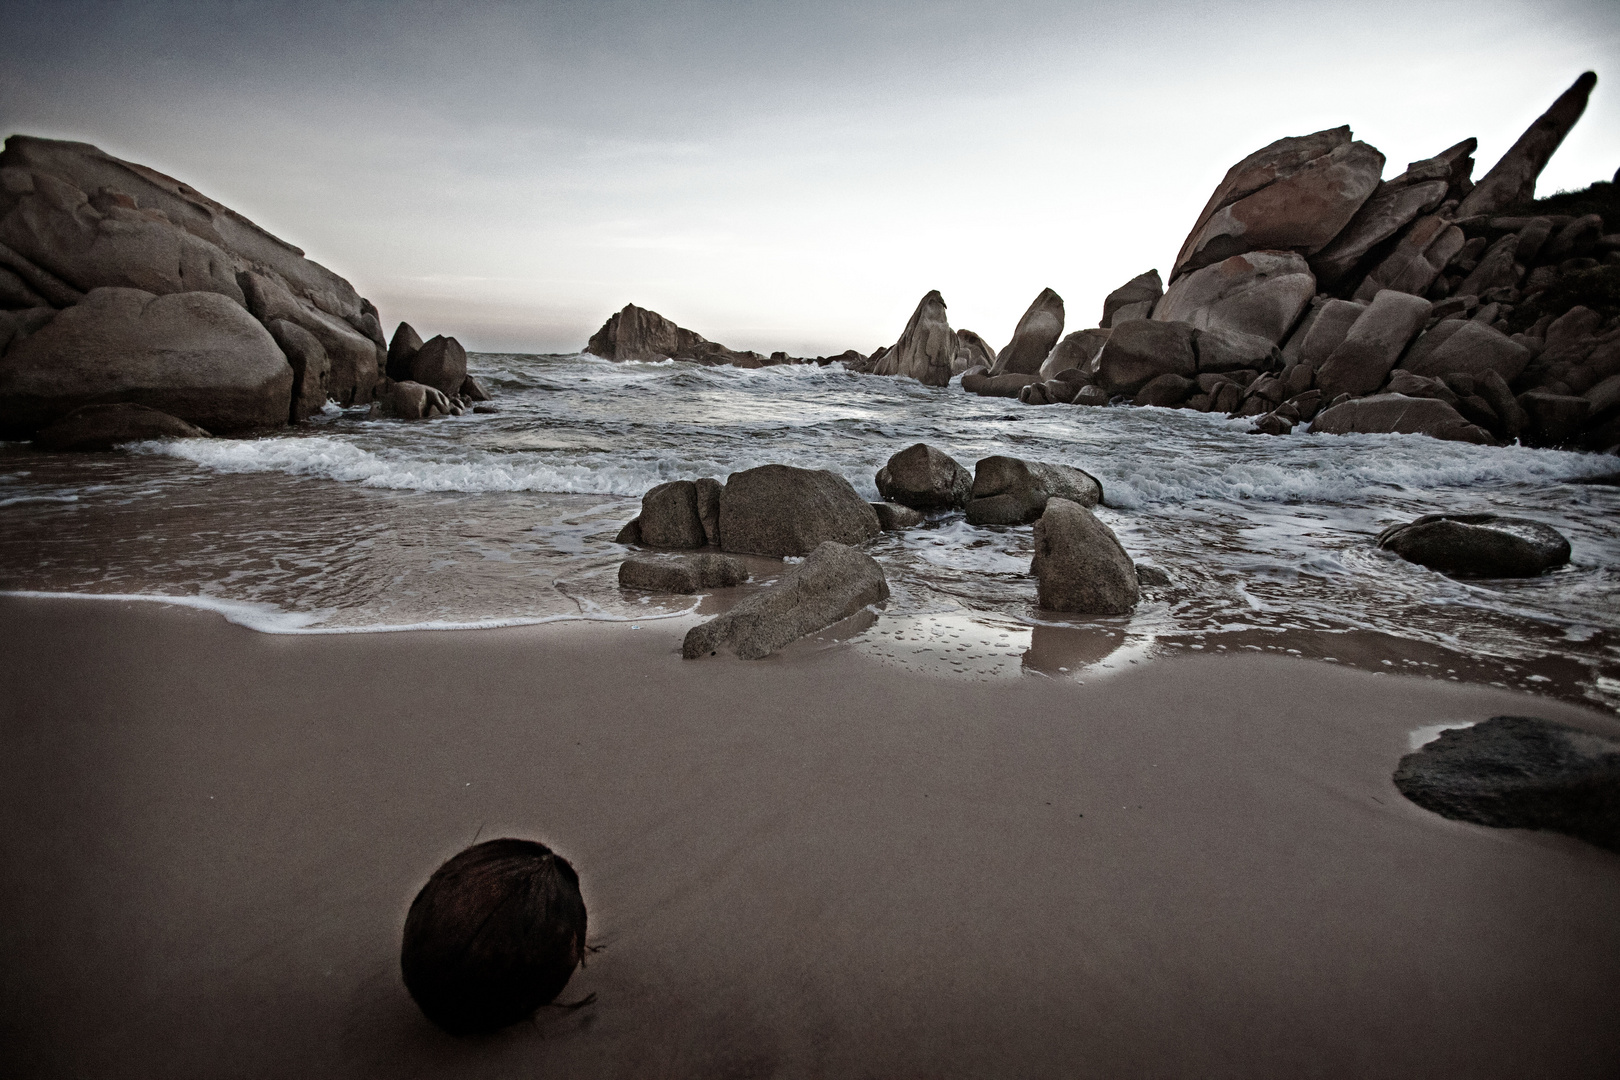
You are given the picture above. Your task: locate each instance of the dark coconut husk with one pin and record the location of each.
(495, 933)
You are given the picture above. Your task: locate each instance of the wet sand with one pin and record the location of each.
(813, 865)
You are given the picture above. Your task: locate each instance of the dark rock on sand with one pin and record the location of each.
(102, 427)
(670, 517)
(1520, 772)
(1080, 564)
(494, 934)
(1012, 491)
(925, 478)
(683, 574)
(1034, 338)
(1478, 545)
(781, 510)
(892, 517)
(833, 583)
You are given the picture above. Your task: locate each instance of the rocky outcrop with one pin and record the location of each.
(102, 427)
(1141, 350)
(1512, 180)
(355, 363)
(1034, 338)
(1520, 772)
(441, 363)
(925, 478)
(1384, 414)
(414, 401)
(1468, 347)
(1392, 207)
(1478, 545)
(1422, 251)
(636, 333)
(1012, 491)
(198, 356)
(1080, 564)
(682, 575)
(927, 348)
(1262, 293)
(834, 582)
(781, 510)
(1133, 300)
(311, 368)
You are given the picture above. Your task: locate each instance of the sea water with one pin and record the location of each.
(348, 524)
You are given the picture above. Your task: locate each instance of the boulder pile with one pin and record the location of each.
(122, 286)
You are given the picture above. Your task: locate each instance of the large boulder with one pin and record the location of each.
(102, 427)
(1294, 195)
(1327, 331)
(925, 478)
(1512, 180)
(1077, 351)
(1552, 419)
(1472, 348)
(670, 517)
(401, 348)
(1498, 268)
(1012, 491)
(1080, 564)
(195, 355)
(311, 369)
(1229, 350)
(1373, 344)
(1384, 414)
(981, 382)
(441, 363)
(684, 574)
(1392, 207)
(1520, 772)
(1034, 338)
(927, 348)
(412, 401)
(1133, 300)
(1144, 349)
(353, 365)
(636, 333)
(833, 583)
(1478, 545)
(1428, 244)
(781, 510)
(1262, 293)
(972, 351)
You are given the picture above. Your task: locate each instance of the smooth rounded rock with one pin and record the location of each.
(1080, 564)
(925, 478)
(1478, 545)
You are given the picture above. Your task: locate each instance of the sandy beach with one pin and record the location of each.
(812, 865)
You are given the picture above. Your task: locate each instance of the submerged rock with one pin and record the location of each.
(833, 583)
(1478, 545)
(925, 478)
(1080, 564)
(102, 427)
(1520, 772)
(684, 574)
(781, 510)
(1012, 491)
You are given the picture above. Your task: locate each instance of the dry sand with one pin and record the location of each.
(805, 866)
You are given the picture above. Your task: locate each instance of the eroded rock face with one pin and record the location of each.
(1512, 180)
(1228, 350)
(1478, 545)
(197, 356)
(1520, 772)
(1262, 293)
(102, 427)
(925, 478)
(927, 348)
(1398, 414)
(1294, 195)
(1144, 349)
(1080, 563)
(311, 369)
(834, 582)
(781, 510)
(682, 575)
(1012, 491)
(1133, 300)
(1034, 338)
(353, 368)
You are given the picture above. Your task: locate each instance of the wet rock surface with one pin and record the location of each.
(1478, 545)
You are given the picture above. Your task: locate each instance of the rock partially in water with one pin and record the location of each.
(1080, 563)
(441, 363)
(781, 510)
(1520, 772)
(1034, 338)
(927, 347)
(1478, 545)
(102, 427)
(833, 583)
(494, 934)
(311, 368)
(413, 401)
(683, 574)
(1012, 491)
(1399, 414)
(670, 518)
(925, 478)
(1142, 350)
(984, 384)
(893, 517)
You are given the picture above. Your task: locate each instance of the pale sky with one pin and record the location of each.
(772, 175)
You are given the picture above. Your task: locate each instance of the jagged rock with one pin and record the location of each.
(1012, 491)
(412, 401)
(927, 348)
(892, 517)
(683, 575)
(1552, 419)
(1428, 244)
(1133, 300)
(1389, 210)
(1080, 564)
(1512, 180)
(635, 333)
(1455, 165)
(1478, 545)
(196, 355)
(1300, 408)
(925, 478)
(1077, 351)
(102, 427)
(1220, 350)
(441, 363)
(1294, 195)
(1143, 349)
(17, 325)
(834, 582)
(1165, 391)
(1037, 333)
(473, 390)
(1398, 414)
(352, 369)
(781, 510)
(400, 350)
(311, 369)
(1471, 348)
(1373, 344)
(986, 385)
(1520, 772)
(670, 517)
(1262, 293)
(1225, 398)
(972, 351)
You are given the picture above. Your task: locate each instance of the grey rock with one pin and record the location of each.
(1091, 395)
(1133, 300)
(707, 493)
(197, 356)
(986, 385)
(400, 351)
(1143, 349)
(1404, 382)
(1076, 352)
(473, 390)
(1373, 344)
(1423, 250)
(441, 363)
(17, 293)
(1390, 209)
(1471, 348)
(1012, 491)
(352, 373)
(635, 333)
(670, 518)
(1552, 419)
(834, 582)
(1272, 423)
(684, 574)
(56, 292)
(1498, 268)
(1080, 564)
(972, 351)
(1152, 576)
(17, 325)
(1398, 414)
(102, 427)
(1034, 338)
(781, 510)
(311, 369)
(1494, 390)
(892, 517)
(1328, 331)
(925, 478)
(412, 401)
(1512, 180)
(630, 533)
(1261, 293)
(927, 348)
(1165, 391)
(1221, 350)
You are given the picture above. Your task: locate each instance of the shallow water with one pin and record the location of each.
(350, 524)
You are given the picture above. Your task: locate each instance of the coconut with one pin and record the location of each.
(494, 934)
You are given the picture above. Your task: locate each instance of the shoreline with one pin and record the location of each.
(811, 864)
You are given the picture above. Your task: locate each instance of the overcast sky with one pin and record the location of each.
(772, 175)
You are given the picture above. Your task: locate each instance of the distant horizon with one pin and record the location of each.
(774, 179)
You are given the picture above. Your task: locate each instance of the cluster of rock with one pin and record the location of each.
(636, 333)
(122, 286)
